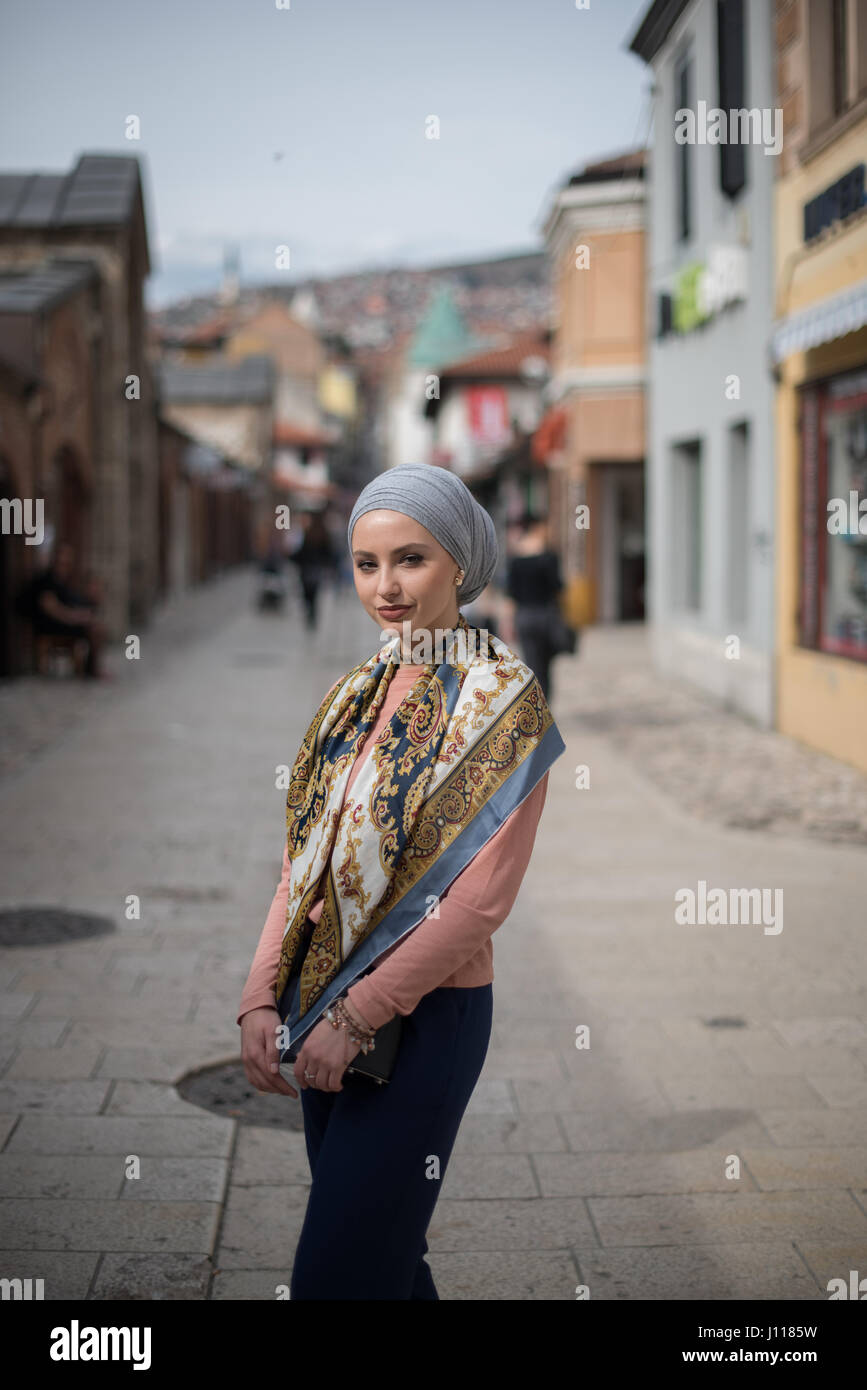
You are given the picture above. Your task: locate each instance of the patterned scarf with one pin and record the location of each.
(465, 746)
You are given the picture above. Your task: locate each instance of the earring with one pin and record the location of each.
(459, 580)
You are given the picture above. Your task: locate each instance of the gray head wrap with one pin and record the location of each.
(445, 507)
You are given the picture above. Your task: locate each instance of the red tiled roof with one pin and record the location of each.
(504, 361)
(299, 437)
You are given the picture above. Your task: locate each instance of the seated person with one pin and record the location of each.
(56, 607)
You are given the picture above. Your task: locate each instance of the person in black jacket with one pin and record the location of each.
(533, 583)
(53, 605)
(316, 558)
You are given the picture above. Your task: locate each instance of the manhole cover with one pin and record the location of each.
(47, 926)
(225, 1090)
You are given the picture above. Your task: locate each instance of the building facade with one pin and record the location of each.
(593, 438)
(711, 303)
(77, 417)
(820, 354)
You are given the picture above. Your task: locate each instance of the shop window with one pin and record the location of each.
(833, 608)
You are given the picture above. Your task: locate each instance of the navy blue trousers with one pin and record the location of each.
(378, 1155)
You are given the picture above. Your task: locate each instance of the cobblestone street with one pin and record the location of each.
(608, 1166)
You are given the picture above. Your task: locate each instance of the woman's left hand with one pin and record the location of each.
(326, 1054)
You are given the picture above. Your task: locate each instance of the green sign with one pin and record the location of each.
(687, 312)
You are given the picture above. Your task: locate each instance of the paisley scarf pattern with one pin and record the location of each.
(466, 745)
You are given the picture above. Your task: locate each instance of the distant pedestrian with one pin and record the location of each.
(411, 816)
(316, 560)
(533, 583)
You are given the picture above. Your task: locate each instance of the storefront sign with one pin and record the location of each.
(702, 290)
(835, 203)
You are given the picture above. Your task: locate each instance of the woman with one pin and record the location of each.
(533, 583)
(411, 814)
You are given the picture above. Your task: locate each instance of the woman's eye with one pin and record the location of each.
(365, 564)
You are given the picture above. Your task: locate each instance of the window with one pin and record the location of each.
(836, 46)
(731, 42)
(683, 156)
(838, 39)
(738, 523)
(686, 531)
(833, 607)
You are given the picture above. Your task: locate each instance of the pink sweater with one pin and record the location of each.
(454, 949)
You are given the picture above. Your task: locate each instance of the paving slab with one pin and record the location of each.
(751, 1270)
(687, 1219)
(66, 1275)
(169, 1277)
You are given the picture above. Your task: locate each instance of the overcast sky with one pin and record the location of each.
(306, 126)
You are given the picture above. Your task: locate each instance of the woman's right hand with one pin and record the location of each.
(260, 1053)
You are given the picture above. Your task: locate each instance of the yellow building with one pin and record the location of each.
(819, 353)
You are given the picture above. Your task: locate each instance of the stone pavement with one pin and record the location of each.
(713, 1049)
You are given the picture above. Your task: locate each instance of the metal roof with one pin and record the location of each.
(247, 379)
(99, 191)
(33, 289)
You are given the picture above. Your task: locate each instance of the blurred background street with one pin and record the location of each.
(602, 1166)
(608, 265)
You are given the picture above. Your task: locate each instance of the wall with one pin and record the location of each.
(689, 373)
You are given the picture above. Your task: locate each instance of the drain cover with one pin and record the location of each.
(47, 926)
(225, 1090)
(723, 1022)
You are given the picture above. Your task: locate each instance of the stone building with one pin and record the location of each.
(77, 417)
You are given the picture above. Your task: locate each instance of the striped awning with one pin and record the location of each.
(820, 322)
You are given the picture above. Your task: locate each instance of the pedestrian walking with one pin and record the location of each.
(315, 559)
(533, 584)
(411, 815)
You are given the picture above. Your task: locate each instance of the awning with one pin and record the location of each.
(550, 434)
(821, 322)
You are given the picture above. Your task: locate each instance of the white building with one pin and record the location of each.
(711, 290)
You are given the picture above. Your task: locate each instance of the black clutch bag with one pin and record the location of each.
(377, 1064)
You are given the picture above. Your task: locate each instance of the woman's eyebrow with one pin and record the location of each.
(410, 545)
